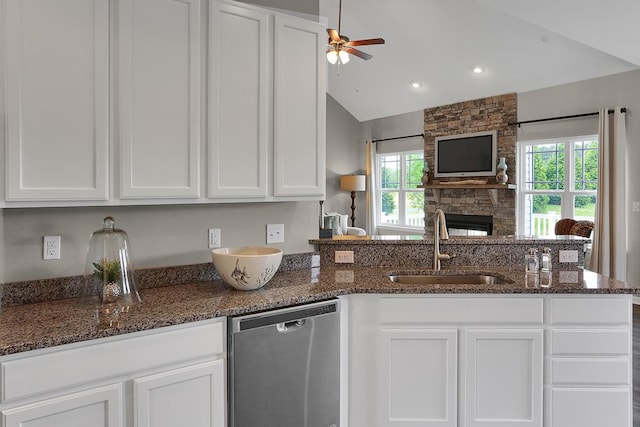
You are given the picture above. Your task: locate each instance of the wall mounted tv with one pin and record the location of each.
(472, 154)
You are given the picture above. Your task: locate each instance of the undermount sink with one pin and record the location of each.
(457, 279)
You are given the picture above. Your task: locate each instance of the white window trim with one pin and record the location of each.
(401, 209)
(566, 208)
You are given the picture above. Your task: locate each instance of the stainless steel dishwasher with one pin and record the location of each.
(284, 367)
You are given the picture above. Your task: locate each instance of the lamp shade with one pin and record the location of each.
(353, 182)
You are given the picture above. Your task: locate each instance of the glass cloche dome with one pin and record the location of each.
(109, 273)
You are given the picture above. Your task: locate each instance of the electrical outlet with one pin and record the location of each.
(275, 233)
(569, 277)
(214, 238)
(568, 256)
(51, 247)
(344, 257)
(344, 276)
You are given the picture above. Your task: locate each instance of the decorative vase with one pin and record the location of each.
(425, 174)
(501, 176)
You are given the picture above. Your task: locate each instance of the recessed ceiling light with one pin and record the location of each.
(416, 85)
(478, 69)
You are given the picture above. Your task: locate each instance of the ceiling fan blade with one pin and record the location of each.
(358, 53)
(333, 35)
(366, 42)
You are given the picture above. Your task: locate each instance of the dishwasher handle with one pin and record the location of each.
(294, 325)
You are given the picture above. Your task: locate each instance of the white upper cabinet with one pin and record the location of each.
(299, 107)
(57, 99)
(239, 75)
(266, 104)
(159, 79)
(105, 103)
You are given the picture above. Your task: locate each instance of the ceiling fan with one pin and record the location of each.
(340, 46)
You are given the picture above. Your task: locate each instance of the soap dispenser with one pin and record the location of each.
(109, 273)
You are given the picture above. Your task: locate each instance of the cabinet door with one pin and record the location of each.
(100, 407)
(299, 108)
(418, 377)
(192, 396)
(159, 51)
(502, 378)
(57, 99)
(239, 67)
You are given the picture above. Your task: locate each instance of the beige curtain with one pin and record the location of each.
(372, 203)
(609, 254)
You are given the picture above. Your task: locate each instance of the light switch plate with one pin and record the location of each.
(315, 260)
(215, 240)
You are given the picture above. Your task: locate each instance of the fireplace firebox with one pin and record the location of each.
(465, 225)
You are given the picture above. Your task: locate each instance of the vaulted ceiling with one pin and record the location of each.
(521, 45)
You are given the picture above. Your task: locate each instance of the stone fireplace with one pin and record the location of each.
(494, 113)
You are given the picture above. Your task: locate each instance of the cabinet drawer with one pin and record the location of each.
(584, 407)
(470, 310)
(591, 371)
(592, 310)
(99, 360)
(591, 342)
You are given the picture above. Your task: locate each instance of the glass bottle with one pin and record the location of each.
(109, 273)
(531, 263)
(545, 260)
(531, 267)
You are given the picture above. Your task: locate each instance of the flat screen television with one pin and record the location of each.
(472, 154)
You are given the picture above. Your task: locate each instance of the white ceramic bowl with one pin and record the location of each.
(247, 268)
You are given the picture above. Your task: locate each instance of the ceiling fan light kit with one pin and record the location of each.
(340, 47)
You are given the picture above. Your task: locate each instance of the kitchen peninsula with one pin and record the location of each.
(178, 335)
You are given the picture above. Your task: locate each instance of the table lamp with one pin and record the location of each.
(353, 183)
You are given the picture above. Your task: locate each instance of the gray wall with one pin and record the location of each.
(346, 154)
(584, 97)
(177, 235)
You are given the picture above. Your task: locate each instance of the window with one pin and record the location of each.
(400, 201)
(558, 179)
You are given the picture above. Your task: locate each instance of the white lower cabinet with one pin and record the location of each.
(167, 377)
(418, 377)
(502, 381)
(98, 407)
(489, 361)
(191, 396)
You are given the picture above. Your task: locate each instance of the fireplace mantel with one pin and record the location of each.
(492, 189)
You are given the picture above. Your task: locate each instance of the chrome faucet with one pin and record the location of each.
(439, 233)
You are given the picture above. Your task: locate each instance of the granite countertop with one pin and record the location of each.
(45, 324)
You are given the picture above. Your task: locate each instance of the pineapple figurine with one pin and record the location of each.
(108, 272)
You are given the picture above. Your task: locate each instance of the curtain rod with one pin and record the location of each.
(398, 137)
(574, 116)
